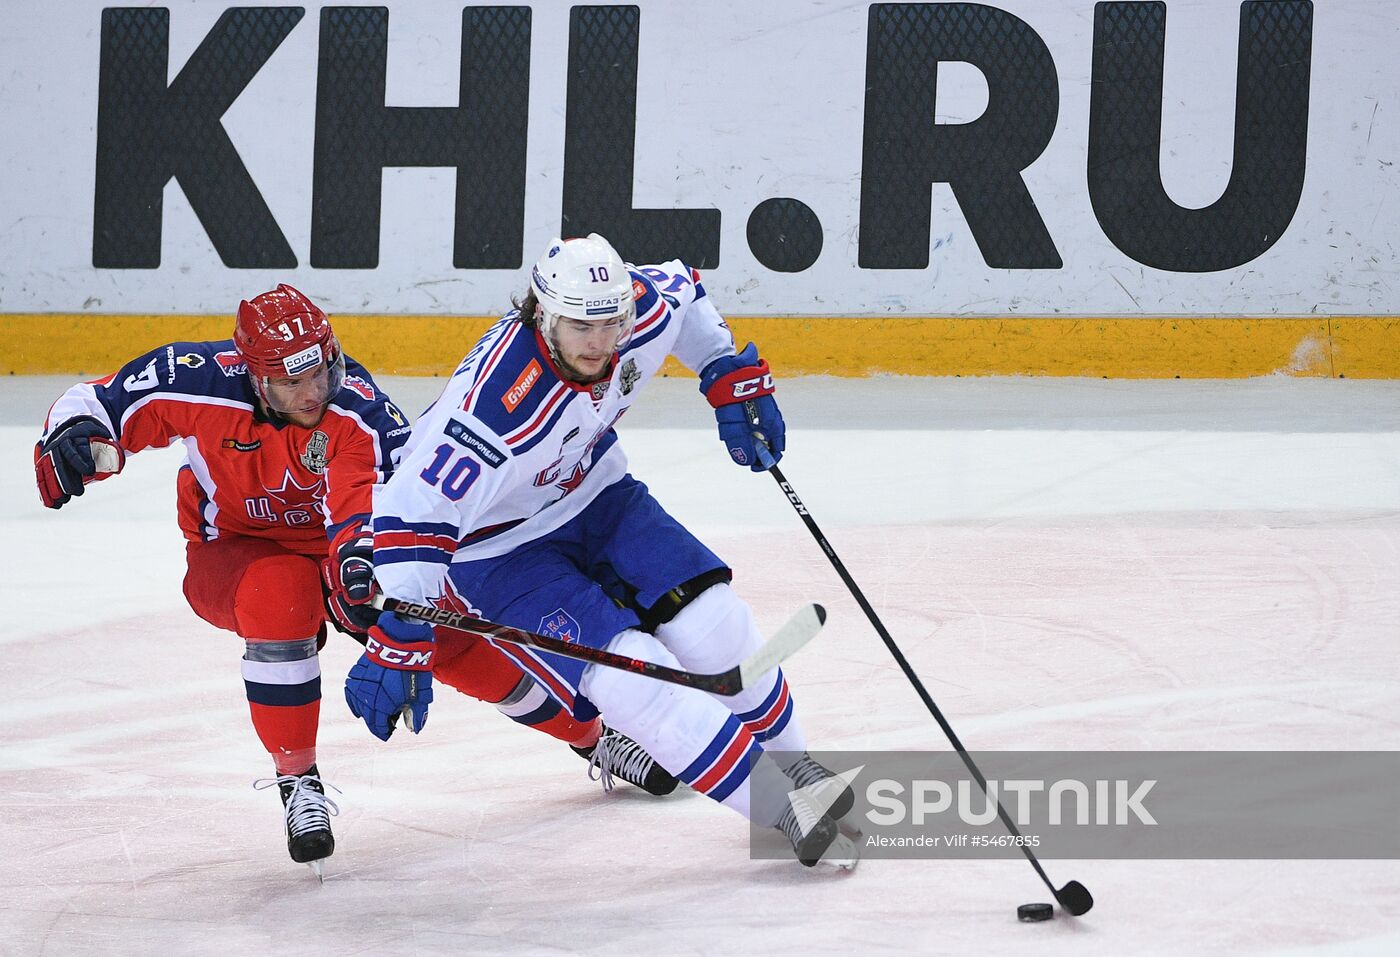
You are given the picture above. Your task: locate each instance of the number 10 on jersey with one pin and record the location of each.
(459, 477)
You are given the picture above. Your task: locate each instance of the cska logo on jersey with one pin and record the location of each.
(230, 363)
(360, 386)
(300, 505)
(562, 625)
(314, 458)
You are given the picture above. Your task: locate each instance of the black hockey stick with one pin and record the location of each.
(799, 630)
(1074, 897)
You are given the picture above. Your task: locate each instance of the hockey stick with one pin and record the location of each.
(799, 630)
(1074, 897)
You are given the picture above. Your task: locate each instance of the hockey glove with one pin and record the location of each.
(349, 580)
(393, 677)
(741, 390)
(78, 452)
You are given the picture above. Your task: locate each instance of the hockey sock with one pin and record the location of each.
(715, 632)
(771, 722)
(531, 705)
(283, 682)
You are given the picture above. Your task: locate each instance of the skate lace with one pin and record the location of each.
(617, 754)
(806, 771)
(799, 819)
(308, 809)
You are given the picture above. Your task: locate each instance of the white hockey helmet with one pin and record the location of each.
(583, 279)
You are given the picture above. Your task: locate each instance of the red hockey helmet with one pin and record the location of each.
(293, 357)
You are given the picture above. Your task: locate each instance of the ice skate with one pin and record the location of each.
(816, 836)
(617, 755)
(823, 785)
(308, 817)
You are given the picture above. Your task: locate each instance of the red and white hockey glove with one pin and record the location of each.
(78, 452)
(348, 573)
(741, 390)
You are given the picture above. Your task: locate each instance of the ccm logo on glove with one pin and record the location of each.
(748, 388)
(412, 657)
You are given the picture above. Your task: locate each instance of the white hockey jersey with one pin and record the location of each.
(511, 450)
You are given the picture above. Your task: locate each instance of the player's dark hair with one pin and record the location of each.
(528, 305)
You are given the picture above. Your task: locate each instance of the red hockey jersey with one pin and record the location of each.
(245, 474)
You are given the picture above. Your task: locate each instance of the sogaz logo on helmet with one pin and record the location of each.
(303, 360)
(602, 307)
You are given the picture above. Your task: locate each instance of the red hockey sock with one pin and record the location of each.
(578, 734)
(284, 699)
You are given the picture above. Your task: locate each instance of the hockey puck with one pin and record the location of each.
(1033, 913)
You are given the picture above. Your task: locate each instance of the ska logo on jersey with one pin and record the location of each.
(314, 458)
(629, 376)
(560, 624)
(574, 480)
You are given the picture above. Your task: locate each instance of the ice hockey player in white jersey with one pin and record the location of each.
(513, 501)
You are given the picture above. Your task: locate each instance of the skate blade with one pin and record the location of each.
(844, 852)
(316, 869)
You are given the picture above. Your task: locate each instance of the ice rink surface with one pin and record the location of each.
(1070, 565)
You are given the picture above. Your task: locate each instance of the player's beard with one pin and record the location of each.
(574, 374)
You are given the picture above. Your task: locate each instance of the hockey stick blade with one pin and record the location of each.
(797, 632)
(1075, 898)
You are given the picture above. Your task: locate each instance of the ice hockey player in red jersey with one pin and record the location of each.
(285, 437)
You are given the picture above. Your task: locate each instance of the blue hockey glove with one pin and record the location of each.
(393, 677)
(741, 390)
(78, 452)
(348, 574)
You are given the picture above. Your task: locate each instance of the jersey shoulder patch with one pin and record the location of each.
(204, 369)
(514, 383)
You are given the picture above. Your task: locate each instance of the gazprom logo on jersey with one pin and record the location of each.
(462, 435)
(303, 360)
(560, 624)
